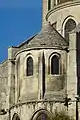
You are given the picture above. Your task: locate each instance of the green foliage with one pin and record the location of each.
(61, 116)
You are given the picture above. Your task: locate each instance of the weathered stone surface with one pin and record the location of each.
(25, 97)
(3, 83)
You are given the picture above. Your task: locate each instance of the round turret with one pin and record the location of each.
(62, 14)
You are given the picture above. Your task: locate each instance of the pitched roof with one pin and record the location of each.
(47, 37)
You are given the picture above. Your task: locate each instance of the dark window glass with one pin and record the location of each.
(58, 1)
(43, 64)
(78, 62)
(29, 66)
(55, 65)
(43, 116)
(17, 118)
(49, 4)
(70, 25)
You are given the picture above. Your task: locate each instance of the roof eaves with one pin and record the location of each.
(26, 41)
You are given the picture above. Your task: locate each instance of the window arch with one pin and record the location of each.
(55, 65)
(29, 64)
(42, 113)
(69, 26)
(15, 117)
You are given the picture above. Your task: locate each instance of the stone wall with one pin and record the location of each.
(4, 89)
(3, 83)
(29, 110)
(31, 87)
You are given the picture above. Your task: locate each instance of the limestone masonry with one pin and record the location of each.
(42, 74)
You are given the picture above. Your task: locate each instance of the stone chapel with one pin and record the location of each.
(43, 73)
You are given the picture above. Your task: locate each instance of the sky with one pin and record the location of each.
(19, 20)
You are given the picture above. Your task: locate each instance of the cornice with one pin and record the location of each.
(41, 48)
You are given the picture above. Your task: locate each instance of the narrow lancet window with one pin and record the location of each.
(55, 65)
(29, 66)
(70, 25)
(49, 5)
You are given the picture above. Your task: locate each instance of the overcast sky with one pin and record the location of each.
(19, 19)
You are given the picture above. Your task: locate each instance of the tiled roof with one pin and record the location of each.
(47, 37)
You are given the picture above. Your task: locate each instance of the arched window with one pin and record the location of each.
(15, 117)
(42, 116)
(55, 65)
(29, 66)
(70, 25)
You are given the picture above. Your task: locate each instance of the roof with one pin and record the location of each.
(47, 37)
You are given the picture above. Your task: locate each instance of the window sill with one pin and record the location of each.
(55, 75)
(28, 77)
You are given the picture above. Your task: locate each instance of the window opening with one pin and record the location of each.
(49, 5)
(43, 116)
(70, 25)
(29, 66)
(55, 65)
